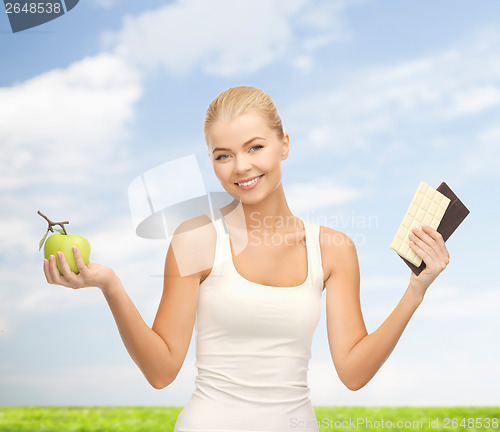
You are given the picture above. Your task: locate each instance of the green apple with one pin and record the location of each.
(64, 243)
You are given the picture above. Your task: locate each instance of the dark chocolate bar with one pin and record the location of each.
(452, 218)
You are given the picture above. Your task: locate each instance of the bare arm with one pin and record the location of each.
(368, 355)
(159, 352)
(146, 348)
(357, 355)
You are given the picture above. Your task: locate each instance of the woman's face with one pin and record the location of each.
(245, 148)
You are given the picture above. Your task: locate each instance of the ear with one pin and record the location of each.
(286, 146)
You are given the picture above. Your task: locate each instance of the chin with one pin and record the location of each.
(252, 200)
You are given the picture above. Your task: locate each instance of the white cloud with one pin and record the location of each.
(456, 380)
(21, 301)
(472, 100)
(479, 304)
(105, 4)
(321, 192)
(441, 301)
(137, 262)
(304, 63)
(484, 152)
(224, 37)
(107, 385)
(328, 18)
(78, 385)
(376, 283)
(19, 234)
(361, 111)
(65, 124)
(59, 130)
(379, 284)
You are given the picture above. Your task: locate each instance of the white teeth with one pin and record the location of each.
(250, 182)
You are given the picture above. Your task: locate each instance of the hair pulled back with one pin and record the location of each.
(236, 101)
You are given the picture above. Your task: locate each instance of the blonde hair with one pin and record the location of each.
(235, 101)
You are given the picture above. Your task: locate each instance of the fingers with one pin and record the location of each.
(54, 275)
(428, 249)
(423, 250)
(68, 274)
(423, 241)
(437, 237)
(46, 270)
(80, 265)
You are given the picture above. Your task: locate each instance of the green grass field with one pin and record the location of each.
(152, 419)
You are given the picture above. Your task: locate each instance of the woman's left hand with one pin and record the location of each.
(429, 245)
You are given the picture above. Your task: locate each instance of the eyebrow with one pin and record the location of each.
(244, 144)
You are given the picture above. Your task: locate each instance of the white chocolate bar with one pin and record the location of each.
(427, 207)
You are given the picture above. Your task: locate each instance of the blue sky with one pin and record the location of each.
(376, 97)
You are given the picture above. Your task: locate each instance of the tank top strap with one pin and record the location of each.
(219, 217)
(314, 254)
(222, 248)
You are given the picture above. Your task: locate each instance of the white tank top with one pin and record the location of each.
(253, 345)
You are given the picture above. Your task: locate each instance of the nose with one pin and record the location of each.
(242, 164)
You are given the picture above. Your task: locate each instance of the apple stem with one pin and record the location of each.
(51, 224)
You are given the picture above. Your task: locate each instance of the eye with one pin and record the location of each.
(221, 157)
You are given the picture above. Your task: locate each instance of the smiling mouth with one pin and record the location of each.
(251, 182)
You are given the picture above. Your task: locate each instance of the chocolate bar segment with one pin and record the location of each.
(452, 218)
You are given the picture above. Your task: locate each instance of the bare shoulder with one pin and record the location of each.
(201, 222)
(337, 251)
(193, 244)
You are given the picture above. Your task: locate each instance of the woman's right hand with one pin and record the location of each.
(92, 275)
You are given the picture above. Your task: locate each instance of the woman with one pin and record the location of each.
(252, 278)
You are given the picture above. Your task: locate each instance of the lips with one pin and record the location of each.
(248, 179)
(251, 184)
